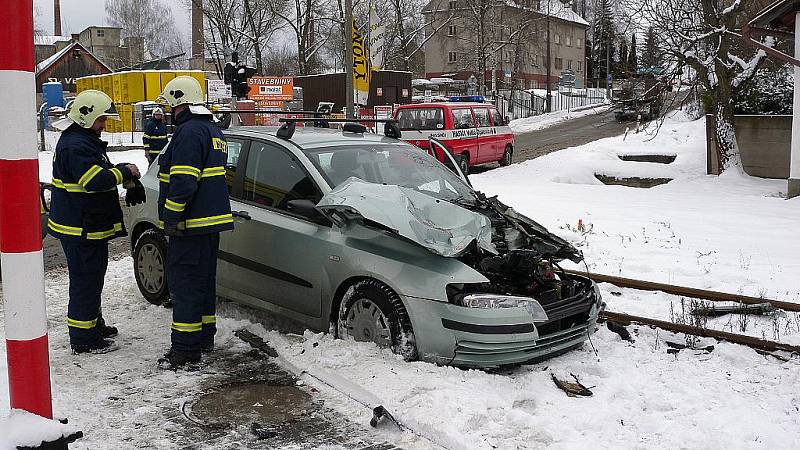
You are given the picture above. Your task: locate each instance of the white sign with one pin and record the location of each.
(377, 31)
(218, 90)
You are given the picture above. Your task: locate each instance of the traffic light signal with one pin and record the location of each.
(236, 74)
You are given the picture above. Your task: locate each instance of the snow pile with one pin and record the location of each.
(23, 429)
(131, 139)
(543, 121)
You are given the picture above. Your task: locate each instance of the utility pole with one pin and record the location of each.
(348, 59)
(548, 101)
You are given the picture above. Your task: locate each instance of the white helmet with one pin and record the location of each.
(87, 107)
(158, 111)
(185, 90)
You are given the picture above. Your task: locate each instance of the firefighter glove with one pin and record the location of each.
(135, 193)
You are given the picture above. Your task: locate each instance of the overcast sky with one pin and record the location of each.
(76, 15)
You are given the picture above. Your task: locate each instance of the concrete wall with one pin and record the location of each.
(764, 142)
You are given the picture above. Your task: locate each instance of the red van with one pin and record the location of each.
(476, 133)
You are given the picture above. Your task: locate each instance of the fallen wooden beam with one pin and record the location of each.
(713, 296)
(749, 341)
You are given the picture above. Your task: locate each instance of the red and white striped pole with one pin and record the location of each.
(20, 228)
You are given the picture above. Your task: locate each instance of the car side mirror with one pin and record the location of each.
(308, 209)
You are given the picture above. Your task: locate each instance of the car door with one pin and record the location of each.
(487, 146)
(464, 134)
(275, 255)
(446, 156)
(236, 148)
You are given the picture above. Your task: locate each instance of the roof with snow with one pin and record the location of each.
(780, 14)
(49, 40)
(44, 65)
(553, 8)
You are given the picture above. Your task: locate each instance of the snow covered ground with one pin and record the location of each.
(114, 139)
(542, 121)
(731, 233)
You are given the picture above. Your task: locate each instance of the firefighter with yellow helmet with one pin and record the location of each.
(193, 208)
(85, 214)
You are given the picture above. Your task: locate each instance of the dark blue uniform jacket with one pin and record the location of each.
(155, 137)
(193, 192)
(85, 201)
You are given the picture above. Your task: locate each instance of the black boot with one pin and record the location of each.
(174, 360)
(98, 347)
(105, 331)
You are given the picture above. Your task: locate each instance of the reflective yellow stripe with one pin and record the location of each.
(117, 174)
(64, 229)
(146, 145)
(209, 319)
(213, 172)
(184, 170)
(154, 152)
(91, 173)
(164, 177)
(69, 187)
(187, 327)
(83, 324)
(174, 206)
(105, 234)
(209, 221)
(149, 136)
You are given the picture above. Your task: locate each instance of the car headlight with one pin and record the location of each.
(506, 301)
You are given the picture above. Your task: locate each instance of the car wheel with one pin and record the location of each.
(507, 156)
(150, 267)
(372, 312)
(463, 163)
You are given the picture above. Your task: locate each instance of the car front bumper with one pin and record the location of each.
(483, 338)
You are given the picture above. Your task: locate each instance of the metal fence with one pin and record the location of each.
(518, 104)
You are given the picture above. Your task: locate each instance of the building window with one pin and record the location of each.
(451, 30)
(452, 57)
(559, 64)
(580, 66)
(452, 4)
(569, 64)
(580, 43)
(101, 33)
(569, 41)
(557, 39)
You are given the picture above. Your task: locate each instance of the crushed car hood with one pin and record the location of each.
(442, 227)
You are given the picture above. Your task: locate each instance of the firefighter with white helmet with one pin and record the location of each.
(85, 214)
(193, 209)
(155, 135)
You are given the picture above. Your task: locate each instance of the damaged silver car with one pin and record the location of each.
(375, 240)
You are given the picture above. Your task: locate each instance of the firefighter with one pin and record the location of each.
(85, 214)
(193, 209)
(155, 135)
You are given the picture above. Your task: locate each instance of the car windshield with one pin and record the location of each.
(392, 164)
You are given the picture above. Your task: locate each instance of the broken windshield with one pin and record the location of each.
(391, 164)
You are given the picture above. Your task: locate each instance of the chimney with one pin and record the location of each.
(198, 44)
(57, 17)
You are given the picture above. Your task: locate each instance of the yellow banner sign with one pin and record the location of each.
(361, 69)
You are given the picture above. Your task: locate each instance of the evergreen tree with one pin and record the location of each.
(651, 57)
(604, 39)
(633, 60)
(622, 62)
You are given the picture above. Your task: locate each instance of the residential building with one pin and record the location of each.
(107, 44)
(506, 40)
(47, 46)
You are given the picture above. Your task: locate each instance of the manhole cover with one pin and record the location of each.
(247, 403)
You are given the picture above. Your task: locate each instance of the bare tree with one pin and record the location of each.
(245, 26)
(704, 36)
(311, 23)
(148, 20)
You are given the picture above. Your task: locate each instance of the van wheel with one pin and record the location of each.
(372, 312)
(150, 267)
(507, 156)
(463, 163)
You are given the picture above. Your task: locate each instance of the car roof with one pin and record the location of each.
(308, 137)
(449, 105)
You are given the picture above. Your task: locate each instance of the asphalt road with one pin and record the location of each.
(570, 133)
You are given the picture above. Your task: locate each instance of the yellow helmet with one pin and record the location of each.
(183, 90)
(89, 105)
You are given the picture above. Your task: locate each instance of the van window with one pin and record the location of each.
(497, 119)
(421, 119)
(482, 117)
(462, 118)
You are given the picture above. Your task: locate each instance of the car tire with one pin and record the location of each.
(463, 163)
(150, 267)
(371, 301)
(507, 156)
